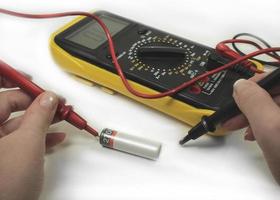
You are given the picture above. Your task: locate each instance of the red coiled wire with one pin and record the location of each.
(119, 69)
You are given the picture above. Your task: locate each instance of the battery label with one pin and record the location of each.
(107, 138)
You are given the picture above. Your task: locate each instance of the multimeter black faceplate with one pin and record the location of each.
(160, 71)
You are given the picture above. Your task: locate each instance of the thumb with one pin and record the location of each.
(40, 114)
(259, 108)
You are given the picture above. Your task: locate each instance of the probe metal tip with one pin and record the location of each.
(185, 139)
(198, 130)
(91, 130)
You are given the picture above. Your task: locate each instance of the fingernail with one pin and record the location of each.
(238, 84)
(49, 100)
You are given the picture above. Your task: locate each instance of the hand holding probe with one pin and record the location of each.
(108, 138)
(64, 112)
(229, 110)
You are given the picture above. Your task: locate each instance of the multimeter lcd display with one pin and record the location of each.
(92, 35)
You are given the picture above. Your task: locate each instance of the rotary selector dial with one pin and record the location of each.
(161, 56)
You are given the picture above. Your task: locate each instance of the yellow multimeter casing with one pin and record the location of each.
(111, 81)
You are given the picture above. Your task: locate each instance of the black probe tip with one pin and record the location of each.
(198, 130)
(185, 139)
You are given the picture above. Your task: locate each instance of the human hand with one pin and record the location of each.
(261, 113)
(23, 142)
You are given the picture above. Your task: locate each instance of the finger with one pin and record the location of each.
(53, 139)
(258, 106)
(10, 126)
(24, 149)
(258, 77)
(12, 101)
(249, 135)
(235, 123)
(14, 123)
(39, 116)
(240, 121)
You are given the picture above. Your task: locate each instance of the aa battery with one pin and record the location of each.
(130, 144)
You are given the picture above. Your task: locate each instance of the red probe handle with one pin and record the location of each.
(229, 53)
(20, 80)
(226, 51)
(64, 112)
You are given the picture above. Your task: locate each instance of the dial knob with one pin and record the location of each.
(161, 56)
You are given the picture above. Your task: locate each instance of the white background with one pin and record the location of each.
(224, 168)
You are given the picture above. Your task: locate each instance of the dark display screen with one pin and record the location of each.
(92, 35)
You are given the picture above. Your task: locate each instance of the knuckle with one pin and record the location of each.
(4, 108)
(11, 100)
(6, 96)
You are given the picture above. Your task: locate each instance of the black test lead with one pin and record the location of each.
(229, 110)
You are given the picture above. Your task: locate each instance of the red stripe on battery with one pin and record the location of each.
(111, 140)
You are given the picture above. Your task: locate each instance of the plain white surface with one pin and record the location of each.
(224, 168)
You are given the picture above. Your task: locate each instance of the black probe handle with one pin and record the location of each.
(231, 109)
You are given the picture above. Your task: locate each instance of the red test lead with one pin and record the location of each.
(108, 138)
(120, 72)
(64, 112)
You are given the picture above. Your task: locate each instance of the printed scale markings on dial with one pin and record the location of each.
(159, 71)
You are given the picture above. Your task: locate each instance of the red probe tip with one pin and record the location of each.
(91, 130)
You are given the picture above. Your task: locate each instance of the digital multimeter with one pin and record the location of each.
(152, 60)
